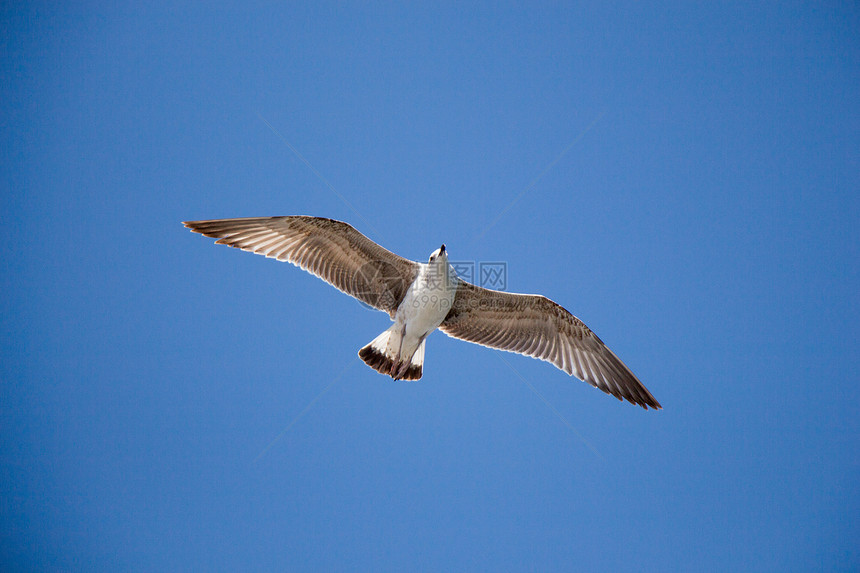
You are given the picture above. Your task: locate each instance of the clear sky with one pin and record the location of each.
(684, 177)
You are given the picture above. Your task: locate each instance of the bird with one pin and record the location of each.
(423, 297)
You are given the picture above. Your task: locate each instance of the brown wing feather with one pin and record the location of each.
(536, 326)
(332, 250)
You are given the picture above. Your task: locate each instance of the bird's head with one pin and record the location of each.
(439, 256)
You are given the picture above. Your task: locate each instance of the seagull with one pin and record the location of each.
(421, 297)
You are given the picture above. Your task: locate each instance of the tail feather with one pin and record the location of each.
(383, 357)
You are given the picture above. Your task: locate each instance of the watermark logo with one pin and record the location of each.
(379, 284)
(493, 275)
(487, 274)
(376, 284)
(464, 269)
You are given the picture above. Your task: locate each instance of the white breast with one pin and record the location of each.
(428, 300)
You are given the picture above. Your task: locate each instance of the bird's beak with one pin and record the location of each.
(442, 250)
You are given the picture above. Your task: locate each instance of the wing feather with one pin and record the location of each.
(536, 326)
(332, 250)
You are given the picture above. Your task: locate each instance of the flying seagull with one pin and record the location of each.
(421, 297)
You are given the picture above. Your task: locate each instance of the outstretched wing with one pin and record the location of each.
(332, 250)
(536, 326)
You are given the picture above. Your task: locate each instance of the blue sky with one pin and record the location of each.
(682, 177)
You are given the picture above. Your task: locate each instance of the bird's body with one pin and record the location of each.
(421, 297)
(399, 351)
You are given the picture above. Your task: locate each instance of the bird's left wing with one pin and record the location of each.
(332, 250)
(536, 326)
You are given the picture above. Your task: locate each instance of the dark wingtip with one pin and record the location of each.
(650, 403)
(193, 225)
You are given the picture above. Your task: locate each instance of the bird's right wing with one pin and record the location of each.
(332, 250)
(536, 326)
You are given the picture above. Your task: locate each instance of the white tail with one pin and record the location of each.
(383, 355)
